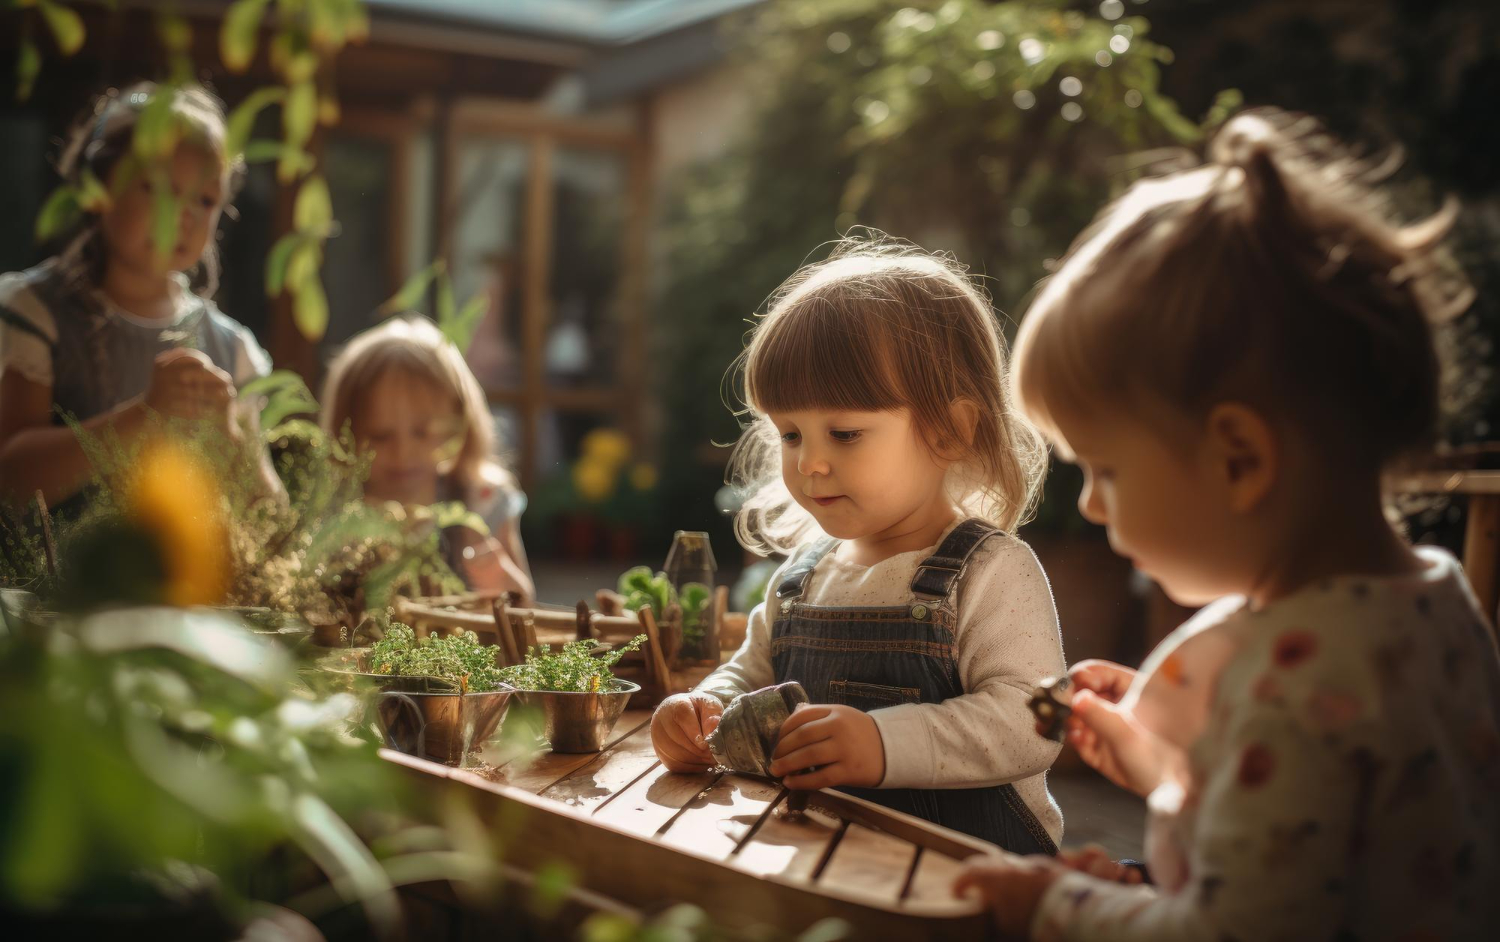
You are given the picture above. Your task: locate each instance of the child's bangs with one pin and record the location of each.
(813, 356)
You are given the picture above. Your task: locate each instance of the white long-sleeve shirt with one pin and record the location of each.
(1339, 773)
(1006, 639)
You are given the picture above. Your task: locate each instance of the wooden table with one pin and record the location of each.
(637, 833)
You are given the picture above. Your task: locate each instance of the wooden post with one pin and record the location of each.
(1482, 553)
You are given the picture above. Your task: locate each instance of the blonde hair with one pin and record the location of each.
(103, 138)
(1273, 275)
(883, 325)
(413, 345)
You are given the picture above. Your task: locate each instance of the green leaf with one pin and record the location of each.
(554, 880)
(238, 35)
(300, 114)
(313, 211)
(310, 310)
(92, 195)
(294, 162)
(176, 35)
(28, 67)
(203, 636)
(461, 327)
(410, 295)
(338, 851)
(241, 122)
(66, 26)
(59, 214)
(259, 152)
(156, 129)
(286, 395)
(302, 267)
(276, 262)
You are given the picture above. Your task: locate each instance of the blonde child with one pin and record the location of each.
(411, 401)
(1233, 355)
(885, 457)
(102, 331)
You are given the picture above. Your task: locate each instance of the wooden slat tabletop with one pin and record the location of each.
(736, 819)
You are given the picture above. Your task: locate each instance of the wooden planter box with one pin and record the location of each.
(634, 832)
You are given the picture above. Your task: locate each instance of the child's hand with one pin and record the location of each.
(1105, 678)
(185, 384)
(1112, 742)
(1096, 862)
(1011, 888)
(829, 745)
(678, 728)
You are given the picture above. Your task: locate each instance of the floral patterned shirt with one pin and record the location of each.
(1337, 760)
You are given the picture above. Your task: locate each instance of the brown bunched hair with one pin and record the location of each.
(1273, 275)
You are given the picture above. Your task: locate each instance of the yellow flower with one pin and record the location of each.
(643, 477)
(594, 479)
(173, 497)
(607, 445)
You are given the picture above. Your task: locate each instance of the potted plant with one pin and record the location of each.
(682, 615)
(580, 699)
(440, 697)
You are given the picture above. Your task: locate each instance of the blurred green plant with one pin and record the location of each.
(159, 762)
(305, 38)
(456, 323)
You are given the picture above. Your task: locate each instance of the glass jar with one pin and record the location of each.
(690, 567)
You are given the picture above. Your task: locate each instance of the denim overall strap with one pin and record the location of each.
(882, 656)
(794, 580)
(938, 573)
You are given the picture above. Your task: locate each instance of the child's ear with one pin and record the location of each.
(1244, 453)
(965, 417)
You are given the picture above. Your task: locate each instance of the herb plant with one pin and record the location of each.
(459, 659)
(572, 670)
(642, 589)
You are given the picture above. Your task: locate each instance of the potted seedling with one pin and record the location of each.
(440, 697)
(580, 698)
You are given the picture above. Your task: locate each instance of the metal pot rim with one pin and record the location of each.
(618, 687)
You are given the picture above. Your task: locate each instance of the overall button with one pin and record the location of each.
(919, 612)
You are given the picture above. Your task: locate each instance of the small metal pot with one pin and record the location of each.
(423, 716)
(444, 727)
(751, 724)
(580, 722)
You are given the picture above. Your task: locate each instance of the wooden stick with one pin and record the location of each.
(656, 663)
(48, 544)
(583, 631)
(507, 636)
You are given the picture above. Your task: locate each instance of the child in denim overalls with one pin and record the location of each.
(885, 456)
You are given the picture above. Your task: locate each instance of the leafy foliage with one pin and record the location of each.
(573, 669)
(458, 658)
(992, 130)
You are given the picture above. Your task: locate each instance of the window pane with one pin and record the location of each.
(488, 254)
(589, 200)
(356, 274)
